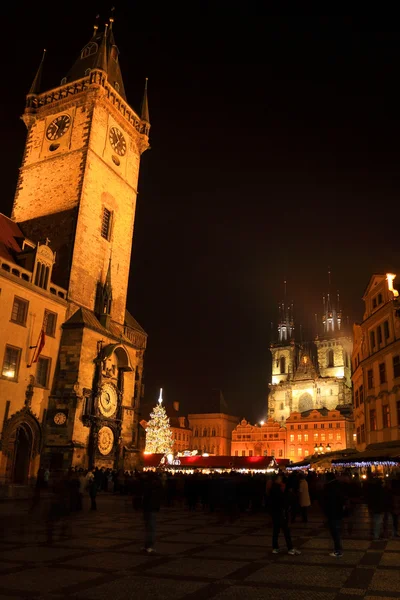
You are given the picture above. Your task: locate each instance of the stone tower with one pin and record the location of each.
(77, 187)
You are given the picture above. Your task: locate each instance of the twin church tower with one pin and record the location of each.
(310, 376)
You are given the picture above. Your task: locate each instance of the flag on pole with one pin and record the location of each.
(39, 346)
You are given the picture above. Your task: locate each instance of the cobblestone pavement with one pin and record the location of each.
(197, 558)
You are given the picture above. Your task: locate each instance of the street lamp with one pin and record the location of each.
(328, 447)
(321, 448)
(316, 448)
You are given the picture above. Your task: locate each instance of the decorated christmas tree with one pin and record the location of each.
(158, 431)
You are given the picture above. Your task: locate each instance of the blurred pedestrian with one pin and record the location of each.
(333, 501)
(279, 502)
(304, 497)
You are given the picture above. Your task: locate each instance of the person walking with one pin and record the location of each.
(279, 502)
(304, 498)
(151, 498)
(333, 501)
(92, 488)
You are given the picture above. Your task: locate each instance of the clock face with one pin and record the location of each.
(58, 127)
(108, 400)
(60, 418)
(105, 440)
(117, 141)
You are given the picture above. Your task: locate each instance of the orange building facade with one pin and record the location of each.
(268, 439)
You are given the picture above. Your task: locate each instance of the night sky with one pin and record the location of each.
(274, 154)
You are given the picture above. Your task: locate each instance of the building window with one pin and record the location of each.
(204, 432)
(386, 332)
(213, 432)
(250, 452)
(356, 400)
(42, 371)
(315, 425)
(282, 364)
(382, 373)
(282, 406)
(374, 302)
(298, 426)
(370, 377)
(292, 437)
(306, 437)
(299, 451)
(322, 425)
(337, 425)
(386, 415)
(358, 435)
(318, 391)
(396, 367)
(299, 437)
(372, 340)
(243, 452)
(372, 419)
(330, 425)
(306, 452)
(196, 433)
(315, 436)
(330, 359)
(106, 223)
(380, 299)
(291, 450)
(19, 311)
(361, 390)
(280, 453)
(338, 436)
(292, 427)
(49, 323)
(88, 50)
(236, 453)
(330, 437)
(322, 437)
(42, 275)
(306, 426)
(379, 333)
(11, 362)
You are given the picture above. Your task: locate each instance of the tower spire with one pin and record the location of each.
(35, 87)
(101, 58)
(144, 115)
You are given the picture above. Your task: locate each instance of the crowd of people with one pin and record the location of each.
(285, 497)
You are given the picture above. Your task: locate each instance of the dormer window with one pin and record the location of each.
(90, 49)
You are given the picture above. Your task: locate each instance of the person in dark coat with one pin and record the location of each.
(333, 502)
(279, 503)
(151, 499)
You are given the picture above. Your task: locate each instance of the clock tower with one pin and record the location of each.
(77, 188)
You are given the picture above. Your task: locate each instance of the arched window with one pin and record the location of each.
(204, 432)
(90, 49)
(283, 364)
(196, 432)
(213, 432)
(330, 359)
(282, 406)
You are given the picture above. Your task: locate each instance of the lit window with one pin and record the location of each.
(19, 311)
(386, 415)
(330, 437)
(11, 362)
(306, 437)
(299, 451)
(315, 436)
(299, 437)
(306, 452)
(322, 437)
(338, 436)
(42, 371)
(292, 437)
(106, 223)
(49, 323)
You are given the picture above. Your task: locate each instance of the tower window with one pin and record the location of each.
(282, 364)
(19, 311)
(90, 49)
(330, 359)
(42, 275)
(106, 223)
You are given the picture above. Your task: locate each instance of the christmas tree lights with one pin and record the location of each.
(158, 431)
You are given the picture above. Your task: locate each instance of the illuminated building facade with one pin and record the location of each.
(310, 376)
(33, 308)
(212, 428)
(318, 431)
(376, 364)
(77, 189)
(265, 439)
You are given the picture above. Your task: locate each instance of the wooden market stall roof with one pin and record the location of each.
(216, 462)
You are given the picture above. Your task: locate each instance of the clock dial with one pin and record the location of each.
(117, 141)
(108, 400)
(105, 440)
(60, 418)
(58, 127)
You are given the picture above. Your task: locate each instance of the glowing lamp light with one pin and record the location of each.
(390, 278)
(170, 458)
(147, 452)
(328, 447)
(262, 422)
(10, 373)
(205, 454)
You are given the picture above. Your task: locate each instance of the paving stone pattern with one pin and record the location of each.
(99, 557)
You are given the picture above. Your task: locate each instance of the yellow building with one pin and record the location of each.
(376, 364)
(77, 188)
(266, 439)
(318, 431)
(310, 376)
(32, 312)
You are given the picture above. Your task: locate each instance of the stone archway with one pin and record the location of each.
(21, 443)
(305, 402)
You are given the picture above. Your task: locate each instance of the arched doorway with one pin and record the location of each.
(22, 453)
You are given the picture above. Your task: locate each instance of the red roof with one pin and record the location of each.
(9, 232)
(214, 462)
